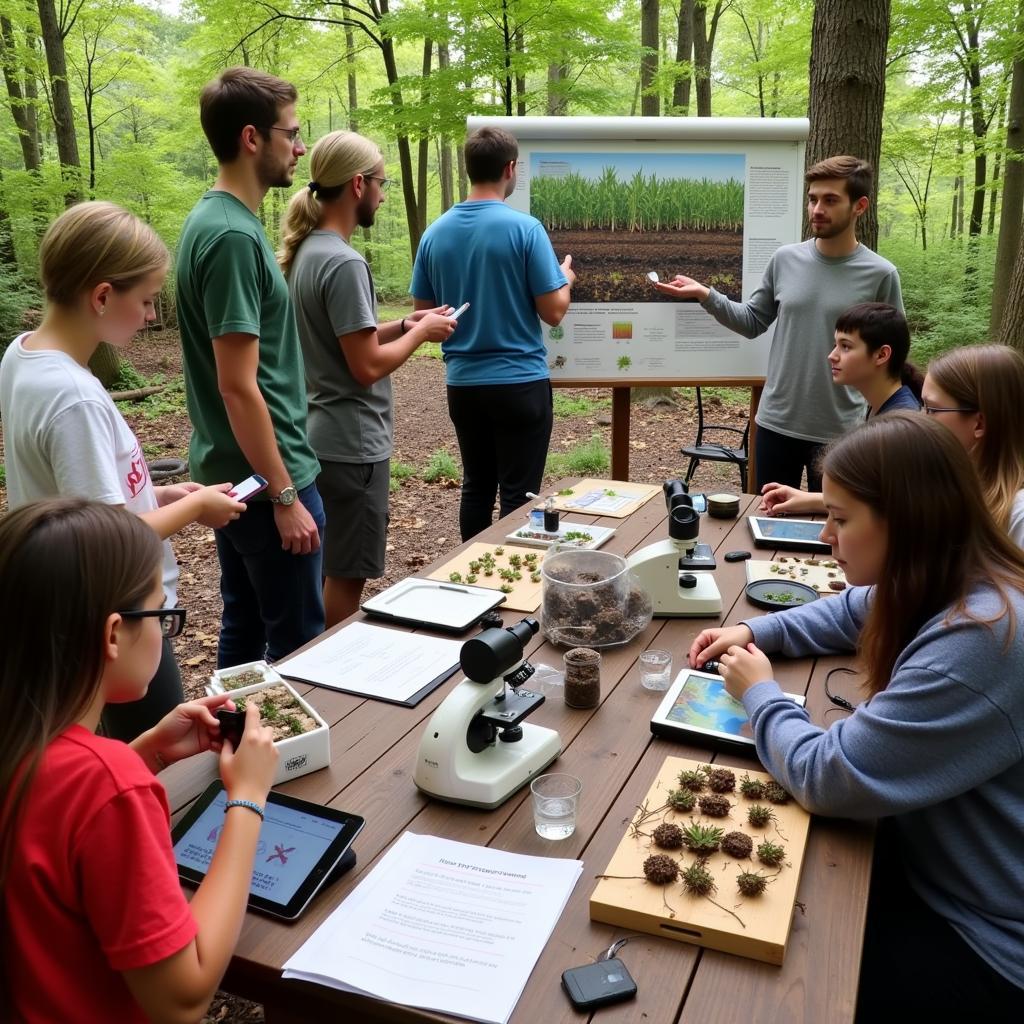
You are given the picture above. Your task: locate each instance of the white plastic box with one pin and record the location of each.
(299, 755)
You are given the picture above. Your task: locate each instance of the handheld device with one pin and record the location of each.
(232, 725)
(787, 534)
(462, 309)
(599, 984)
(652, 276)
(248, 488)
(302, 846)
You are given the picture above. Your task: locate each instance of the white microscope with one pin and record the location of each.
(474, 750)
(677, 572)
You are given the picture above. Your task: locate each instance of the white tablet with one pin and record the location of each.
(787, 534)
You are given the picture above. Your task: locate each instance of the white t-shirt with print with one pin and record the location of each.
(63, 437)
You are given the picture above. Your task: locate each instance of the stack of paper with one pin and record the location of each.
(441, 926)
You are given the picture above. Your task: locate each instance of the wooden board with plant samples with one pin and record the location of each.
(822, 573)
(712, 857)
(515, 571)
(605, 497)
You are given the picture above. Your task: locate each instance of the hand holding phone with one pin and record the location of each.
(249, 487)
(462, 309)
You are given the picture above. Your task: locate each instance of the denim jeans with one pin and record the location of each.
(273, 600)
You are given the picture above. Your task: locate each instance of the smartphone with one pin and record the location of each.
(462, 309)
(250, 486)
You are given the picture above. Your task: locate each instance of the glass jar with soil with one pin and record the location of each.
(591, 599)
(582, 677)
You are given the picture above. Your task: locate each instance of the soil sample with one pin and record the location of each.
(582, 678)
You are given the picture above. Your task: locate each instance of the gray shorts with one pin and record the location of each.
(355, 497)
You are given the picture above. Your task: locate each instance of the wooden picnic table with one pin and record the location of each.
(373, 748)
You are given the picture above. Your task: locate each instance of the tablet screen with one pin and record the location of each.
(789, 529)
(298, 845)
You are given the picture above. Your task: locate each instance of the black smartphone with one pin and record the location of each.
(598, 984)
(232, 725)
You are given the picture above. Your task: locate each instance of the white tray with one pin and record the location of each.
(544, 539)
(452, 607)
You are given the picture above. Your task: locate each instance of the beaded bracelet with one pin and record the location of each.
(244, 803)
(404, 328)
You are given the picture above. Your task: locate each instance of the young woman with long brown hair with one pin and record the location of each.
(936, 612)
(94, 925)
(977, 392)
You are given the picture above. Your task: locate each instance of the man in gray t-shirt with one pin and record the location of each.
(805, 288)
(348, 357)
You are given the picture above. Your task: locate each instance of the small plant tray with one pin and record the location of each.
(634, 904)
(226, 680)
(542, 539)
(299, 755)
(606, 498)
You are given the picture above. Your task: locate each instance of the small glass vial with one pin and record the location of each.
(537, 518)
(550, 516)
(582, 677)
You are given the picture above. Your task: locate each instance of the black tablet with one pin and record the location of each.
(787, 534)
(301, 846)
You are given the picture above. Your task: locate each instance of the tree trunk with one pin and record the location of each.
(993, 201)
(1013, 197)
(460, 160)
(1010, 329)
(520, 77)
(650, 105)
(424, 143)
(63, 112)
(848, 51)
(21, 107)
(684, 55)
(353, 94)
(105, 364)
(444, 155)
(703, 50)
(557, 101)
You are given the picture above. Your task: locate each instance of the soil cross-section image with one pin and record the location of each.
(621, 215)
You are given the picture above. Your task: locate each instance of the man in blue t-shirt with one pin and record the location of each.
(501, 262)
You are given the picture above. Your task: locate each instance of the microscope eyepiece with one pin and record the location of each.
(683, 523)
(494, 651)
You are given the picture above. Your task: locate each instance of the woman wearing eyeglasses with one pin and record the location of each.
(102, 269)
(93, 922)
(936, 610)
(977, 392)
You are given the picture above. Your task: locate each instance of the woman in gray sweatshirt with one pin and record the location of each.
(936, 611)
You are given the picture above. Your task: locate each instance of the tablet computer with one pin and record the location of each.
(787, 534)
(698, 709)
(301, 847)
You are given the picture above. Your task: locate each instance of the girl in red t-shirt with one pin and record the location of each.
(95, 925)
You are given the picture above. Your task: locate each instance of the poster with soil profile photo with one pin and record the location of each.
(622, 215)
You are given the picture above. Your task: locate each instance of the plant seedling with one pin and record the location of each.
(752, 789)
(703, 840)
(695, 781)
(771, 853)
(682, 800)
(750, 883)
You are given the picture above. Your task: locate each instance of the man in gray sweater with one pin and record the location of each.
(804, 289)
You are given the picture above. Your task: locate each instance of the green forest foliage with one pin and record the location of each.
(409, 76)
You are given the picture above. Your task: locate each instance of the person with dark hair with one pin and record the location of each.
(804, 289)
(244, 379)
(870, 356)
(95, 926)
(937, 748)
(501, 262)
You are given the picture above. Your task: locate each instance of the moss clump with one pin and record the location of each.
(682, 800)
(749, 883)
(720, 780)
(737, 844)
(668, 836)
(752, 789)
(697, 880)
(714, 805)
(703, 840)
(776, 794)
(660, 869)
(758, 815)
(694, 781)
(771, 853)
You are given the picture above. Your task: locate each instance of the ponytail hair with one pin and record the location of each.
(96, 242)
(334, 161)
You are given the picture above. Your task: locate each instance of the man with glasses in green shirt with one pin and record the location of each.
(244, 376)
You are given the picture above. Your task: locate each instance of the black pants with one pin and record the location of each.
(782, 460)
(126, 721)
(915, 966)
(503, 432)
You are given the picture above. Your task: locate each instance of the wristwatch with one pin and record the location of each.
(286, 497)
